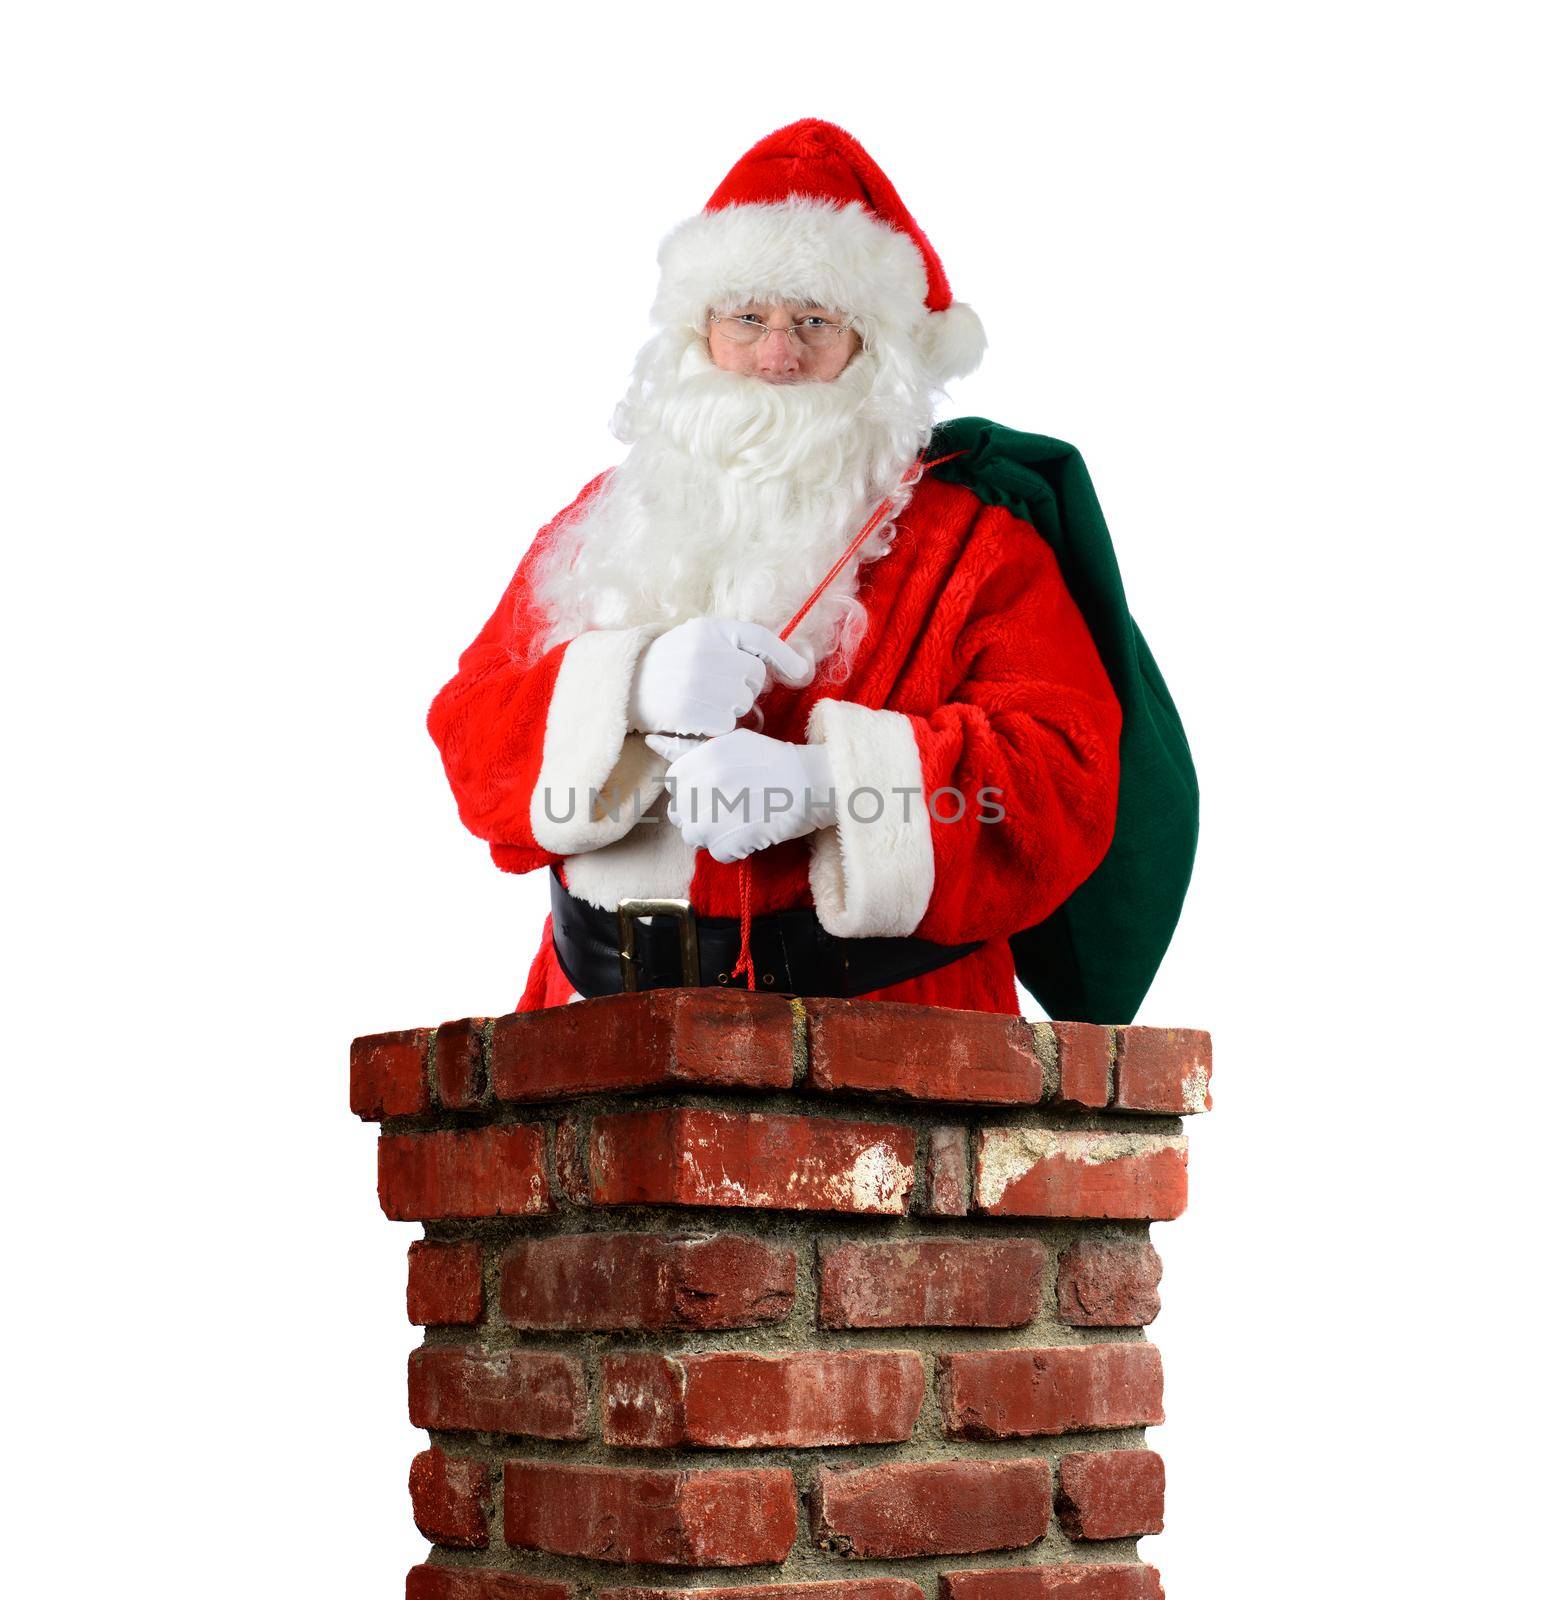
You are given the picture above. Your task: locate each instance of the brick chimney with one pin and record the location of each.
(802, 1300)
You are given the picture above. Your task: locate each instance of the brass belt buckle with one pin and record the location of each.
(627, 910)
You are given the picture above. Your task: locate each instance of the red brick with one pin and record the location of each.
(1052, 1583)
(1085, 1056)
(708, 1518)
(448, 1499)
(444, 1283)
(388, 1074)
(930, 1283)
(922, 1053)
(947, 1173)
(739, 1399)
(1111, 1494)
(1162, 1069)
(685, 1155)
(921, 1508)
(460, 1074)
(1110, 1283)
(479, 1172)
(647, 1280)
(1011, 1394)
(1049, 1172)
(533, 1392)
(644, 1041)
(469, 1583)
(838, 1589)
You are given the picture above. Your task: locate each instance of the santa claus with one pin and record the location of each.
(776, 706)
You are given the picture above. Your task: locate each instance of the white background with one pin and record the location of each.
(313, 313)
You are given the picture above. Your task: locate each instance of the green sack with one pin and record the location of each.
(1093, 959)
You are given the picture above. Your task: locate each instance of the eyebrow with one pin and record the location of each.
(798, 307)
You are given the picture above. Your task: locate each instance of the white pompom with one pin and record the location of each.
(954, 341)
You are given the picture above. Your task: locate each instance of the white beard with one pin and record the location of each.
(738, 495)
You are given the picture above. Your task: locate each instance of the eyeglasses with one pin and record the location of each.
(814, 332)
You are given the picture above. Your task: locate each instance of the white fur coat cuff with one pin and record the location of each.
(871, 878)
(596, 777)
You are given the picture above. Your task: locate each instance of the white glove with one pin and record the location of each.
(765, 790)
(702, 676)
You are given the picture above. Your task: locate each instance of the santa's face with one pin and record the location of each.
(781, 343)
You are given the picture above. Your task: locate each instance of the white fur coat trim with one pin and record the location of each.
(809, 248)
(871, 879)
(652, 862)
(588, 747)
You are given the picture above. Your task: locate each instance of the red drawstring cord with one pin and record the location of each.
(744, 964)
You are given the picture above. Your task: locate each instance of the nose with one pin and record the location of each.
(778, 352)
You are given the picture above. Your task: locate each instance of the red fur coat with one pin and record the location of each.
(977, 673)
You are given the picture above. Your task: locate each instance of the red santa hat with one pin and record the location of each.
(808, 214)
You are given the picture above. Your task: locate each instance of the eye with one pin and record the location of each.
(815, 322)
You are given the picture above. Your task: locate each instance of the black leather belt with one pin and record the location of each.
(611, 952)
